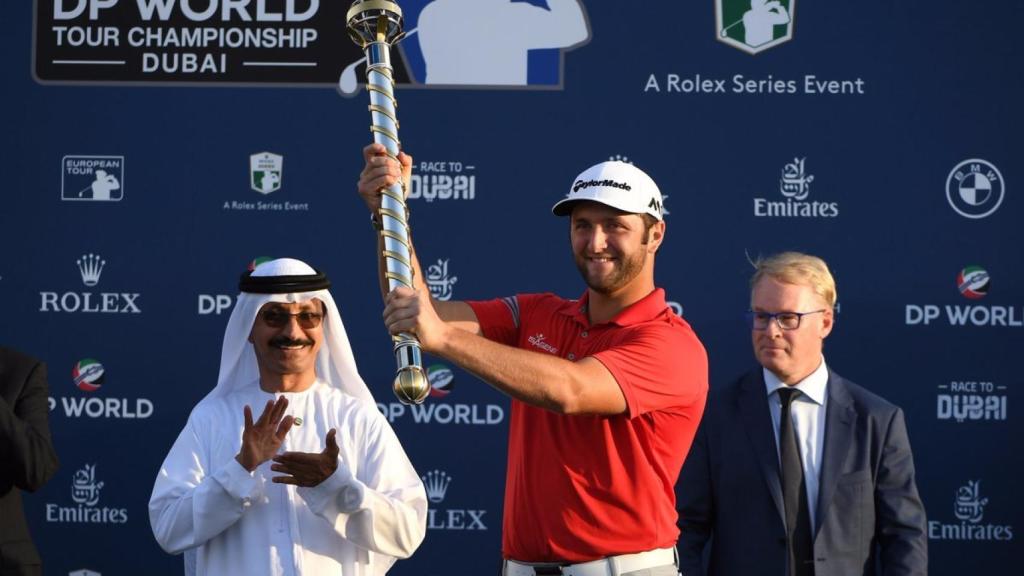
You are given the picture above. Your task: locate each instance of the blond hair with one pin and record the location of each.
(797, 268)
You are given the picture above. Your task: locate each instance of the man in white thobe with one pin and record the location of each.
(318, 483)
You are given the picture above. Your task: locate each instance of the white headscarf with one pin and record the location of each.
(335, 364)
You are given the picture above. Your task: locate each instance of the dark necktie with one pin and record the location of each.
(794, 493)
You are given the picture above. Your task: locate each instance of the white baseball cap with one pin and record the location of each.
(616, 184)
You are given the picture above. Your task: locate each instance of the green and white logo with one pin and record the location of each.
(754, 25)
(265, 171)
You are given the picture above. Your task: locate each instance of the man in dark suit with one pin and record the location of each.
(796, 471)
(27, 458)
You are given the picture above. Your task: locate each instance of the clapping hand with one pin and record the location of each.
(306, 469)
(262, 439)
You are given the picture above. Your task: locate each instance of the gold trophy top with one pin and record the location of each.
(372, 21)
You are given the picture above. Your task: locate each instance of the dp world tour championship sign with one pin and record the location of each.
(188, 41)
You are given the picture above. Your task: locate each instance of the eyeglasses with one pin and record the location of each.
(785, 320)
(278, 318)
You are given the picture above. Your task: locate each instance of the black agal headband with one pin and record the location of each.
(283, 284)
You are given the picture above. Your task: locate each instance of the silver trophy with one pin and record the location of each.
(375, 25)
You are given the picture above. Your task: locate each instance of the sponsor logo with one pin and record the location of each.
(754, 26)
(537, 341)
(85, 493)
(89, 376)
(214, 304)
(969, 509)
(436, 483)
(975, 188)
(963, 401)
(584, 184)
(438, 280)
(442, 380)
(297, 42)
(442, 384)
(973, 283)
(795, 187)
(92, 178)
(443, 180)
(265, 172)
(90, 268)
(439, 517)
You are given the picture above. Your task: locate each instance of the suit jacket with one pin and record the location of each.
(27, 458)
(869, 513)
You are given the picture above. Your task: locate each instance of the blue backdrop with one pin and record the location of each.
(155, 148)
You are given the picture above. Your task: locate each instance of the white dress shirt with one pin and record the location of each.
(808, 416)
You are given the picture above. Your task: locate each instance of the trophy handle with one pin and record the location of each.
(375, 25)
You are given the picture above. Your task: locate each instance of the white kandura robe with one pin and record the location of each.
(370, 512)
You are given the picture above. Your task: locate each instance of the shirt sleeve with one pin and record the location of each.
(190, 503)
(382, 507)
(657, 366)
(501, 318)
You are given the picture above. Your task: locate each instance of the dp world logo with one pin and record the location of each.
(754, 25)
(442, 381)
(973, 282)
(975, 188)
(507, 44)
(88, 375)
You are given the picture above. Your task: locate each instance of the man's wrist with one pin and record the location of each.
(241, 461)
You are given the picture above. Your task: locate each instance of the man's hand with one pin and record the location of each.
(380, 172)
(305, 469)
(408, 310)
(261, 440)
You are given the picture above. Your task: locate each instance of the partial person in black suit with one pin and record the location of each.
(27, 457)
(837, 464)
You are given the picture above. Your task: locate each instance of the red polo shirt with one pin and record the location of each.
(580, 488)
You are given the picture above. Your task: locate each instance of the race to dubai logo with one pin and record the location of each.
(971, 401)
(90, 268)
(969, 509)
(754, 26)
(436, 483)
(92, 178)
(443, 180)
(975, 188)
(88, 375)
(85, 493)
(442, 380)
(438, 280)
(973, 282)
(265, 172)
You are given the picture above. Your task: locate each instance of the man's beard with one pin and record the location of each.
(624, 270)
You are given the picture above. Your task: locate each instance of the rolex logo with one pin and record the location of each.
(91, 266)
(436, 482)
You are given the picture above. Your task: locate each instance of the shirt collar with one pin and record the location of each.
(813, 386)
(643, 310)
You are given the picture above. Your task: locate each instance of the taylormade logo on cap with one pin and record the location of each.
(617, 184)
